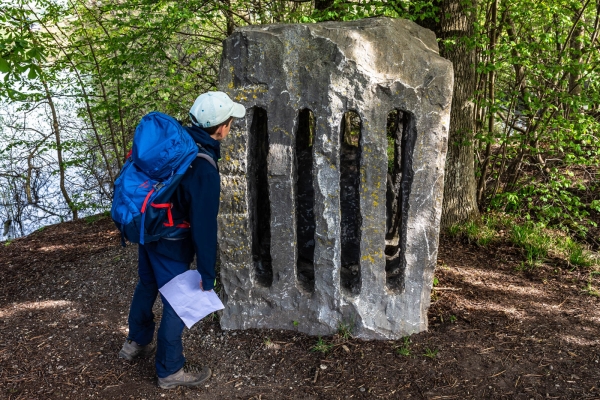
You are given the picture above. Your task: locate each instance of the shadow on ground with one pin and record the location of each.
(495, 333)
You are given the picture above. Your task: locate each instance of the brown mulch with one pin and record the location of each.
(495, 333)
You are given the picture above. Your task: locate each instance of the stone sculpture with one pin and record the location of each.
(317, 227)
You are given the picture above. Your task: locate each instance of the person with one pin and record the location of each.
(196, 201)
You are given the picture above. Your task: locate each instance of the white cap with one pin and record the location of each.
(214, 108)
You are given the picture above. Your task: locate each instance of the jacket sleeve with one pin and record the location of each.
(203, 194)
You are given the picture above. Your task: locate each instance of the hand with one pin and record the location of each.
(201, 288)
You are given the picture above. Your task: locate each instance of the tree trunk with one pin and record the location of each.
(229, 17)
(576, 47)
(481, 186)
(323, 4)
(61, 165)
(456, 21)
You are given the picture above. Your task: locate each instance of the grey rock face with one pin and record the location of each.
(317, 227)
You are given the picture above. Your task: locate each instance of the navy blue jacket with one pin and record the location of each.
(196, 200)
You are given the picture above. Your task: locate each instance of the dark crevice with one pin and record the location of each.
(305, 201)
(401, 135)
(350, 157)
(260, 204)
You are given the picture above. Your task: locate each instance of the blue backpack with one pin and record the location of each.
(161, 154)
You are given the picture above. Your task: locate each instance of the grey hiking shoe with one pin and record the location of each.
(131, 350)
(189, 375)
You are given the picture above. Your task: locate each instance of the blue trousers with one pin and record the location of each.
(154, 271)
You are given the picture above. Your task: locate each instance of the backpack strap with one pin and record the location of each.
(208, 158)
(202, 154)
(123, 235)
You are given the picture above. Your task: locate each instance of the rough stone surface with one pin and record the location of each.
(371, 67)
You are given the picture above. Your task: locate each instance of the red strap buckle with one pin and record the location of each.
(168, 206)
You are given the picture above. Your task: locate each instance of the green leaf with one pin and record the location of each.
(32, 73)
(4, 66)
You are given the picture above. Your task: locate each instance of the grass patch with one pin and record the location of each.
(589, 288)
(431, 353)
(482, 231)
(576, 254)
(538, 243)
(534, 242)
(345, 330)
(321, 346)
(90, 219)
(404, 348)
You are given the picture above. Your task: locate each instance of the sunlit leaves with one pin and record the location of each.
(22, 46)
(546, 94)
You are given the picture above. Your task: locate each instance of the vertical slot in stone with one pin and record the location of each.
(351, 221)
(305, 201)
(260, 205)
(401, 137)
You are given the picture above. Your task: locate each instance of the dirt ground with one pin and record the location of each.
(495, 333)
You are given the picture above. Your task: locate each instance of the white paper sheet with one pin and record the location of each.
(187, 299)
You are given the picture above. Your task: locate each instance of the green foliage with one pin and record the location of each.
(215, 315)
(478, 233)
(482, 231)
(537, 243)
(404, 348)
(533, 240)
(543, 151)
(117, 60)
(322, 346)
(417, 10)
(21, 48)
(345, 329)
(91, 219)
(576, 254)
(431, 353)
(589, 288)
(553, 202)
(102, 67)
